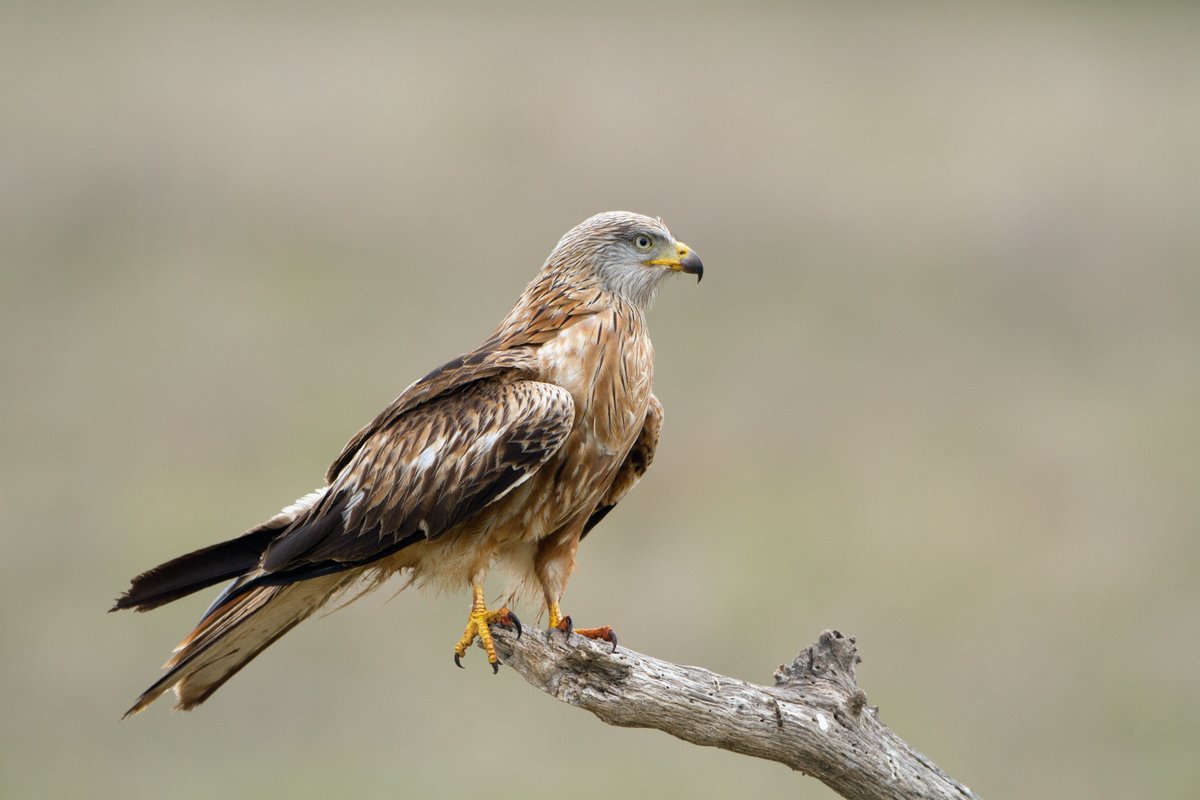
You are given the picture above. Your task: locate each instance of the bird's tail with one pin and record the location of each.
(232, 633)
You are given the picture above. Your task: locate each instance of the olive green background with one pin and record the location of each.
(940, 387)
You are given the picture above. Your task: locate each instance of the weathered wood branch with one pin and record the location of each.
(815, 718)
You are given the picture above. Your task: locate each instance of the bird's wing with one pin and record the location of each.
(640, 456)
(482, 364)
(429, 468)
(509, 352)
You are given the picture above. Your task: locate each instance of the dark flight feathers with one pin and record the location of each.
(197, 570)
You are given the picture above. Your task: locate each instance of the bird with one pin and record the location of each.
(506, 456)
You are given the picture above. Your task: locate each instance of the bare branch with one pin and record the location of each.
(814, 719)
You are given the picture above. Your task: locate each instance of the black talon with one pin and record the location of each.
(495, 667)
(614, 640)
(458, 663)
(570, 625)
(516, 623)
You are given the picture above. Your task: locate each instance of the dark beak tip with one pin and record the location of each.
(692, 265)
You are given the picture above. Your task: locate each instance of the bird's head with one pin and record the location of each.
(628, 253)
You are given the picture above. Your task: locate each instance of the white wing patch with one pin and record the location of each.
(429, 455)
(486, 442)
(352, 503)
(516, 483)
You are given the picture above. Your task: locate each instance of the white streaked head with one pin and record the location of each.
(629, 253)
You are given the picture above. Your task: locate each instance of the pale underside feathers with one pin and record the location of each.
(508, 455)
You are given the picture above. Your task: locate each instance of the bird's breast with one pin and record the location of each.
(606, 363)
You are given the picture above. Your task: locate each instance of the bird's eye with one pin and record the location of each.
(642, 242)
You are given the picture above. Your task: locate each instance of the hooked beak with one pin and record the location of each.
(686, 261)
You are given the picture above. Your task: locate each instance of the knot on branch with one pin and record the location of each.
(832, 659)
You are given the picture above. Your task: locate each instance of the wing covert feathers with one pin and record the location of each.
(430, 469)
(546, 307)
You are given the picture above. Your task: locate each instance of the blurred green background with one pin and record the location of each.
(939, 388)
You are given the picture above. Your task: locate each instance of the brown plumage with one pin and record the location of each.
(506, 455)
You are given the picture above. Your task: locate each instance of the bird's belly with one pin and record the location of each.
(556, 500)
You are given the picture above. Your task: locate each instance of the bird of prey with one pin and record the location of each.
(507, 455)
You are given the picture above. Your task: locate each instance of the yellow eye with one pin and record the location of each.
(642, 242)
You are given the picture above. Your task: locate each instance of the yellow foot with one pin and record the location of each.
(477, 625)
(559, 622)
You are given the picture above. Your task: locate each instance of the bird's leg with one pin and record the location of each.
(557, 620)
(554, 564)
(477, 625)
(563, 623)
